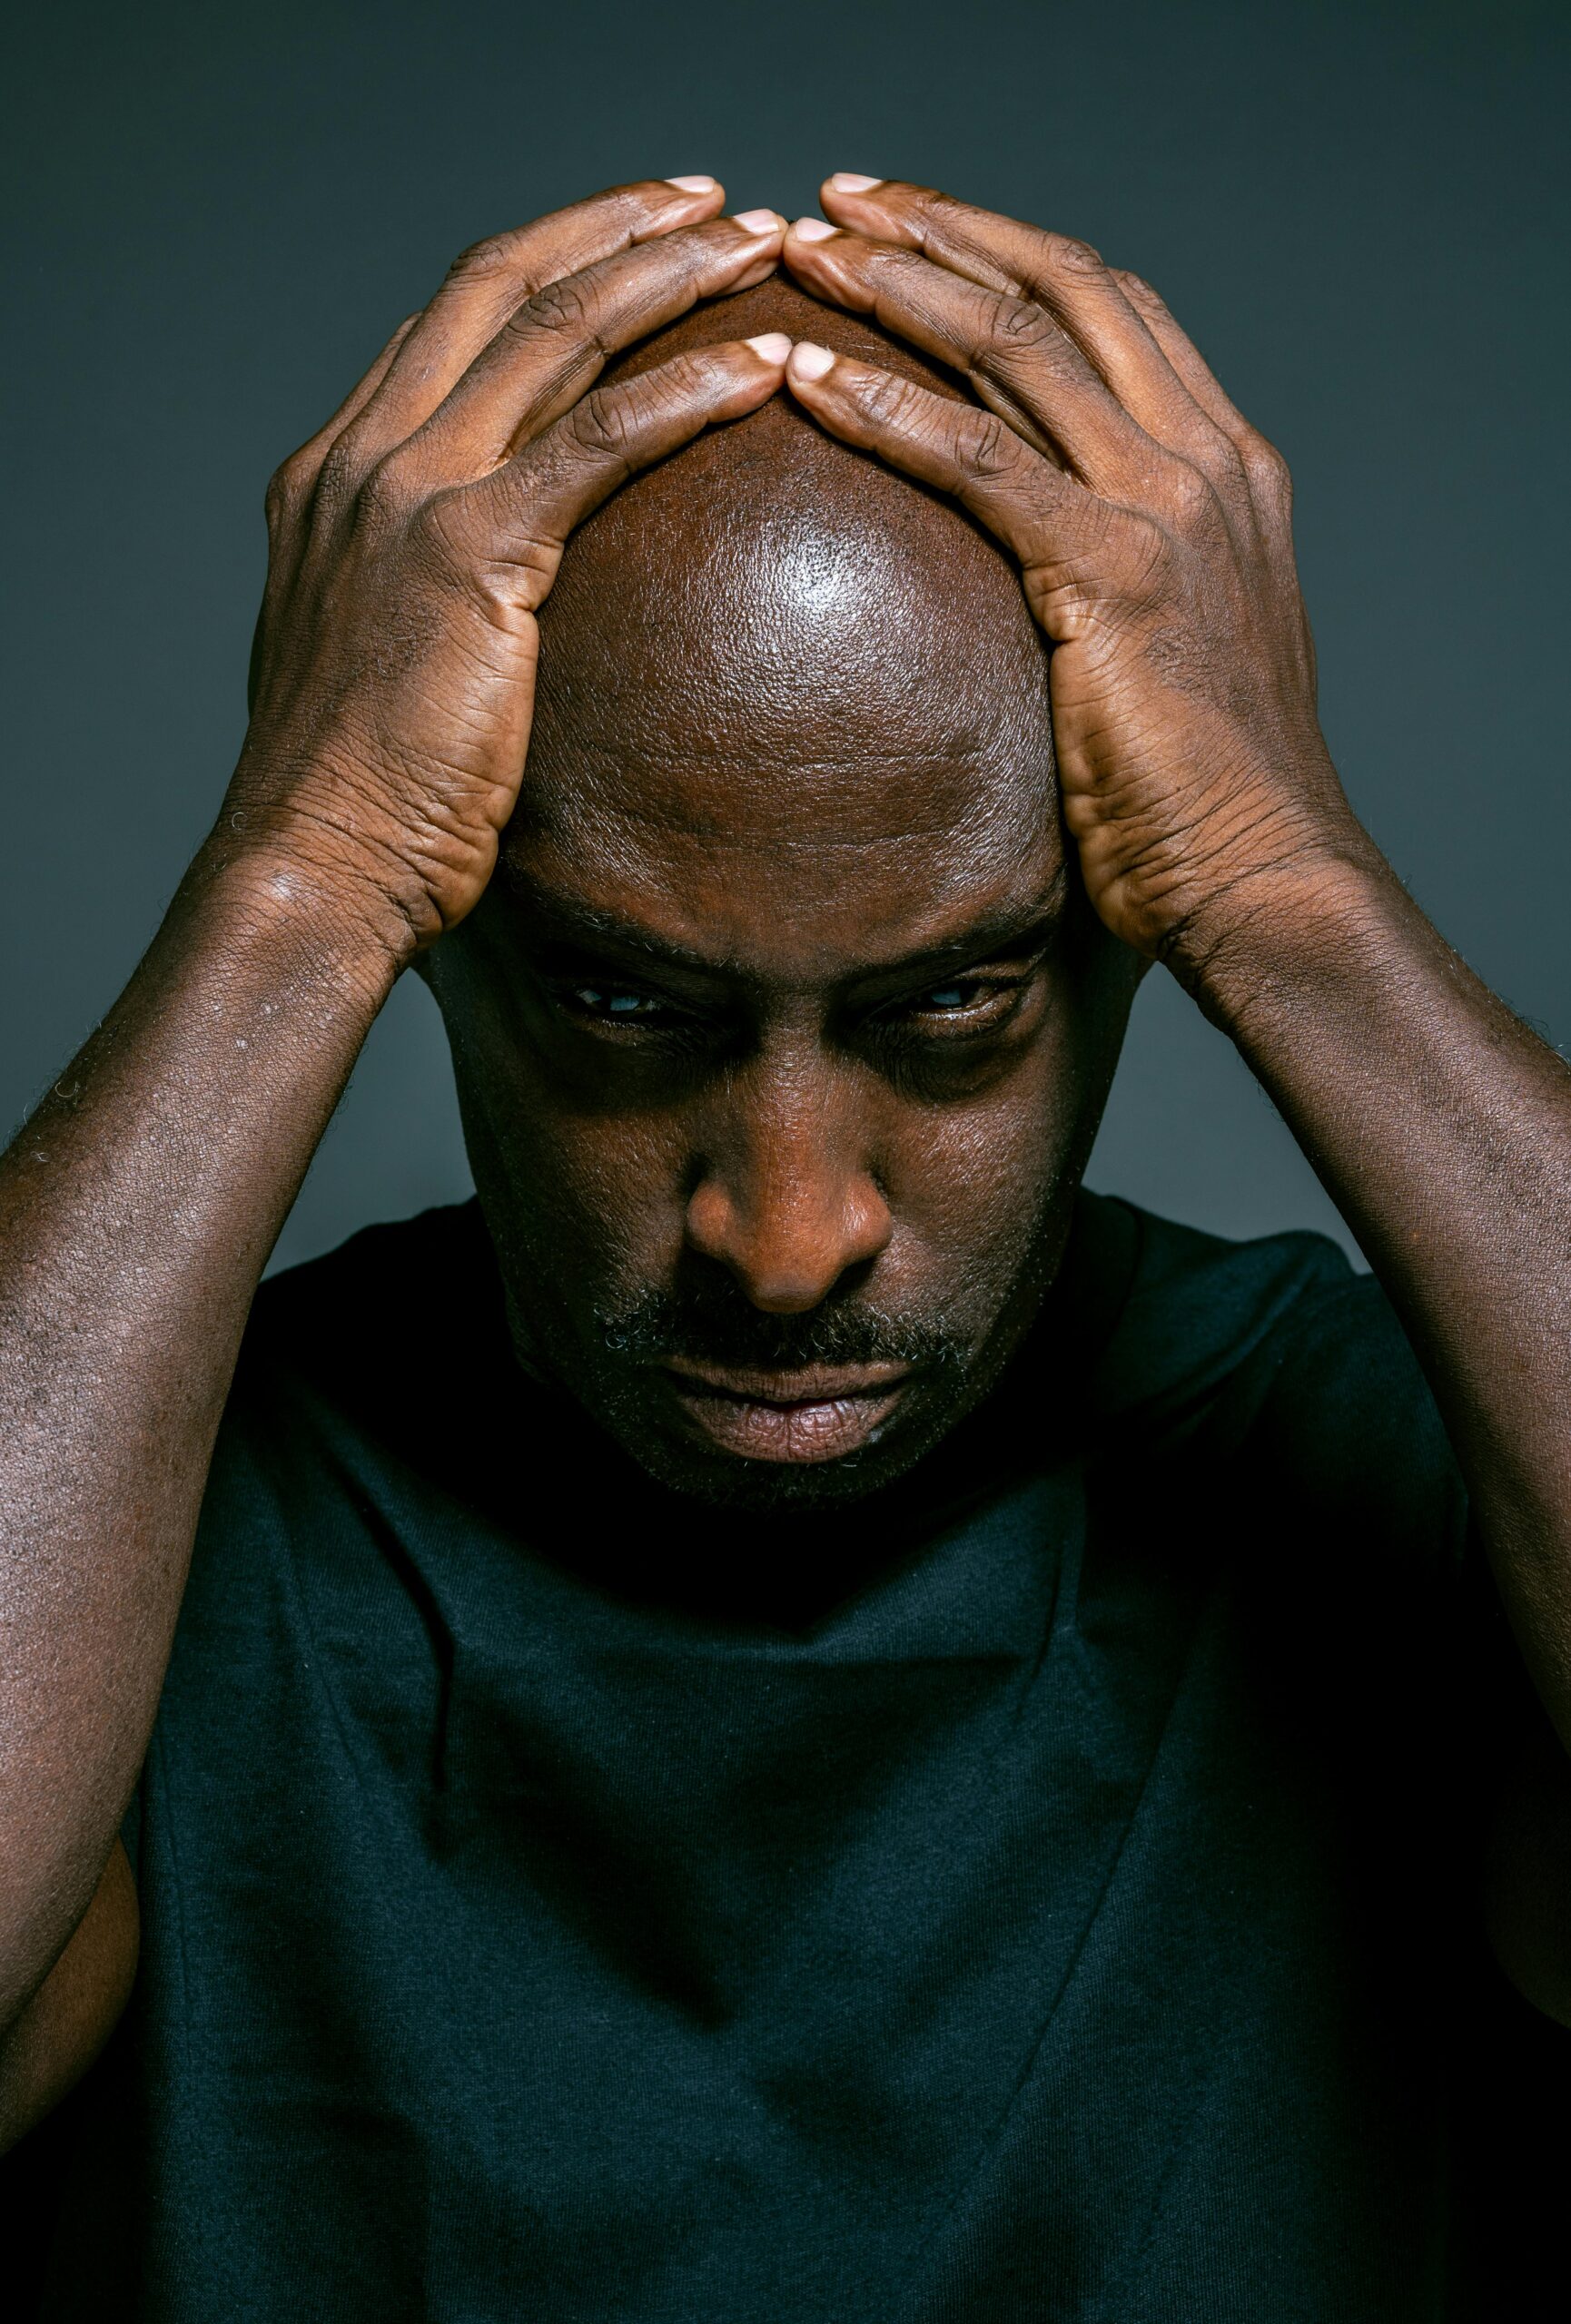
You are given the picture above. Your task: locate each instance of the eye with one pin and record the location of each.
(964, 1005)
(613, 1004)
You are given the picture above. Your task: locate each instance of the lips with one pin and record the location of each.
(818, 1413)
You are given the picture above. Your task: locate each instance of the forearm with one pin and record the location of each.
(1441, 1125)
(137, 1209)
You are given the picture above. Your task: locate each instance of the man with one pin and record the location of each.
(791, 1718)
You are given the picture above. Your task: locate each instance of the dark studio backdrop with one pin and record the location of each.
(1359, 212)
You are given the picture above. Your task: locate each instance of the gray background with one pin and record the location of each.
(1359, 213)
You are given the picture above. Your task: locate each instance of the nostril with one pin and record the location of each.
(787, 1248)
(711, 1224)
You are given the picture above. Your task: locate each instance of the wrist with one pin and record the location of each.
(271, 904)
(323, 873)
(363, 841)
(1270, 929)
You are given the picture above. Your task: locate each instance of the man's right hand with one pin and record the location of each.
(394, 680)
(413, 539)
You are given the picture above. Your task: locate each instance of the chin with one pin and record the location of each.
(723, 1481)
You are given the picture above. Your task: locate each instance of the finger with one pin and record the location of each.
(517, 518)
(989, 248)
(1041, 514)
(1184, 358)
(553, 348)
(294, 479)
(289, 495)
(1270, 484)
(1018, 357)
(486, 282)
(1064, 275)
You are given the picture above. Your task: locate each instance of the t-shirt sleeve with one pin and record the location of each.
(131, 1830)
(1345, 1419)
(1349, 1447)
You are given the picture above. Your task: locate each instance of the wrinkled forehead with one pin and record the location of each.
(792, 722)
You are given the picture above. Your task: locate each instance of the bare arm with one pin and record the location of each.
(412, 541)
(1442, 1126)
(1152, 524)
(137, 1212)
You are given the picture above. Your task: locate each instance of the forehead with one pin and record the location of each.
(809, 747)
(805, 888)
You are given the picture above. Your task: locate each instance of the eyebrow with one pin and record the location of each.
(568, 924)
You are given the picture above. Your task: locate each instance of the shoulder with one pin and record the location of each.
(366, 1381)
(379, 1335)
(369, 1397)
(1286, 1371)
(1200, 1307)
(1198, 1310)
(402, 1281)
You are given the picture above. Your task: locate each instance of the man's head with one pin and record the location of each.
(783, 1030)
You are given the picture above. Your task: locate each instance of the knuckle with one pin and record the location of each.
(682, 260)
(1137, 290)
(954, 231)
(340, 470)
(287, 489)
(605, 423)
(893, 404)
(943, 215)
(1067, 254)
(892, 262)
(483, 261)
(1266, 468)
(684, 378)
(567, 306)
(1222, 462)
(1144, 559)
(391, 491)
(1189, 494)
(1020, 326)
(990, 449)
(442, 527)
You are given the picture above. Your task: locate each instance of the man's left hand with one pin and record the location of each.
(1152, 525)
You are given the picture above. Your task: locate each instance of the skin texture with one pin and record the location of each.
(773, 1215)
(768, 669)
(411, 541)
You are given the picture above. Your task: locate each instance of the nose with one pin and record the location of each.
(786, 1201)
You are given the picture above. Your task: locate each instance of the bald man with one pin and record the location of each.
(787, 1717)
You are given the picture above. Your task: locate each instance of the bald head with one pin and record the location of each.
(773, 602)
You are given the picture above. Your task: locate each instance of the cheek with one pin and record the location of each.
(597, 1196)
(982, 1189)
(971, 1187)
(600, 1200)
(590, 1196)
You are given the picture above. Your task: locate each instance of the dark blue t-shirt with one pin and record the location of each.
(1050, 1889)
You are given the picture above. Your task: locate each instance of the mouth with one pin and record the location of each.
(820, 1414)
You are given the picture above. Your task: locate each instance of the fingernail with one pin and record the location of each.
(774, 346)
(814, 230)
(693, 185)
(853, 182)
(759, 221)
(809, 360)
